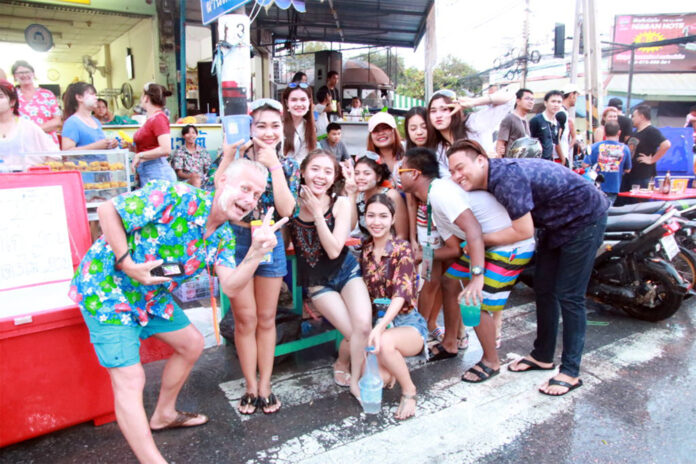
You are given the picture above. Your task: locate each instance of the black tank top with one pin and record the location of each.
(313, 264)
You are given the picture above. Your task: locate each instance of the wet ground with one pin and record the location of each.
(638, 405)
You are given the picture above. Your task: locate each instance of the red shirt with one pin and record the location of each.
(146, 137)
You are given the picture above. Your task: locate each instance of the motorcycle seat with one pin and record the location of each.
(630, 222)
(648, 207)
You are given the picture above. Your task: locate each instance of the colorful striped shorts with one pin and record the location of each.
(503, 265)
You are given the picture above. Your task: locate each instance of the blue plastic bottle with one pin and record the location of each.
(371, 384)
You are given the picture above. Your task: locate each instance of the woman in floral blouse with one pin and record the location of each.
(190, 161)
(389, 271)
(254, 307)
(35, 103)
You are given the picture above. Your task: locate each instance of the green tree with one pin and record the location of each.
(413, 83)
(452, 73)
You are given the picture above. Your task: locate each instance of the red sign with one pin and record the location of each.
(630, 29)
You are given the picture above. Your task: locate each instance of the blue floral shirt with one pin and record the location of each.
(561, 202)
(162, 220)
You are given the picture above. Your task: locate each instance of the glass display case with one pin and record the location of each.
(105, 173)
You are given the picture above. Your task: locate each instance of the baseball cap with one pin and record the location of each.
(570, 88)
(381, 118)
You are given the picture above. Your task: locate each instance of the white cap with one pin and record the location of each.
(570, 88)
(381, 118)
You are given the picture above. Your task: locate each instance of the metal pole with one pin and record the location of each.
(576, 42)
(526, 43)
(182, 58)
(630, 80)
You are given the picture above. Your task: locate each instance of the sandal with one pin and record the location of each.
(246, 400)
(463, 342)
(532, 366)
(436, 334)
(401, 404)
(182, 419)
(561, 383)
(264, 403)
(442, 353)
(337, 378)
(498, 341)
(484, 374)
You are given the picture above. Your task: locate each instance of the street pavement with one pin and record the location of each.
(637, 405)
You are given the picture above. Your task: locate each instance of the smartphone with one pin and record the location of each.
(168, 270)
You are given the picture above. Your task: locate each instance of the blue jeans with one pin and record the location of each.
(561, 276)
(156, 169)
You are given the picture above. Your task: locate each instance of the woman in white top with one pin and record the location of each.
(19, 135)
(298, 121)
(449, 123)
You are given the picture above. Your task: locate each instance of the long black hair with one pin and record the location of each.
(70, 103)
(382, 199)
(415, 111)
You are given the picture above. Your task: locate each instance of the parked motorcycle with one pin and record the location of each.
(633, 268)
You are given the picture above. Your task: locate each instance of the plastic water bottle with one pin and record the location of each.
(371, 384)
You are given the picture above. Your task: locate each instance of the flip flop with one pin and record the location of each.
(484, 374)
(181, 421)
(246, 400)
(266, 402)
(561, 383)
(463, 342)
(442, 353)
(337, 381)
(532, 366)
(436, 334)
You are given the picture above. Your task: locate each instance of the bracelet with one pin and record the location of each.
(276, 167)
(118, 261)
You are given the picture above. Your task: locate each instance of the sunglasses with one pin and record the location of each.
(256, 104)
(369, 155)
(445, 93)
(294, 85)
(402, 170)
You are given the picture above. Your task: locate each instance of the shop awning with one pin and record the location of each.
(660, 87)
(398, 23)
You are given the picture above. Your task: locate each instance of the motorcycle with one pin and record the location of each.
(633, 268)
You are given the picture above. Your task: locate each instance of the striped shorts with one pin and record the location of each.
(503, 265)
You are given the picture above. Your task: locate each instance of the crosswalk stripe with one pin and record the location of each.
(468, 421)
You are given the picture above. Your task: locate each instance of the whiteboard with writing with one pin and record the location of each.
(34, 241)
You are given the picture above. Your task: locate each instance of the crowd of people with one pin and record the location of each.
(443, 216)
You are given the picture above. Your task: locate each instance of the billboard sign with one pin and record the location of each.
(653, 28)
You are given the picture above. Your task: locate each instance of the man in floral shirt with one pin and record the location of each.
(122, 301)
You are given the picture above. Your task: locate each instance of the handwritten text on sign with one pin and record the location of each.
(34, 243)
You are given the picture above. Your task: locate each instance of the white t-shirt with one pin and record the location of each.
(564, 138)
(300, 151)
(449, 200)
(483, 123)
(26, 137)
(442, 160)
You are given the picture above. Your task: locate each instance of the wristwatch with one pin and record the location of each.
(476, 270)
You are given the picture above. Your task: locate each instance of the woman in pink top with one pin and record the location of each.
(35, 103)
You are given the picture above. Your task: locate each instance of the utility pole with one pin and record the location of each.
(596, 57)
(588, 70)
(525, 35)
(577, 28)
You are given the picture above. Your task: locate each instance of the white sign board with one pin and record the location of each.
(34, 241)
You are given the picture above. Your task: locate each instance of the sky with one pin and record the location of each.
(478, 32)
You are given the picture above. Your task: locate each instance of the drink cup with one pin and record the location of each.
(471, 313)
(635, 188)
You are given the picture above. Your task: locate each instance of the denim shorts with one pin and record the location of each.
(350, 269)
(276, 268)
(415, 320)
(119, 345)
(156, 169)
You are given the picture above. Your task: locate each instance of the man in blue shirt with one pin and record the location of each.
(570, 215)
(544, 126)
(613, 158)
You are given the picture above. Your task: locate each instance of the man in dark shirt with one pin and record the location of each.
(570, 215)
(647, 146)
(332, 86)
(624, 122)
(544, 127)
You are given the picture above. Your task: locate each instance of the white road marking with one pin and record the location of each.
(468, 422)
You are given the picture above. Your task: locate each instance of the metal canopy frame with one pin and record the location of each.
(397, 23)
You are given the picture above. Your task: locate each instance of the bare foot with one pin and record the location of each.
(247, 404)
(530, 364)
(355, 391)
(176, 419)
(269, 404)
(389, 384)
(341, 375)
(407, 407)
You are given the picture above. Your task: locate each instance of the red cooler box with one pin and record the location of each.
(49, 374)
